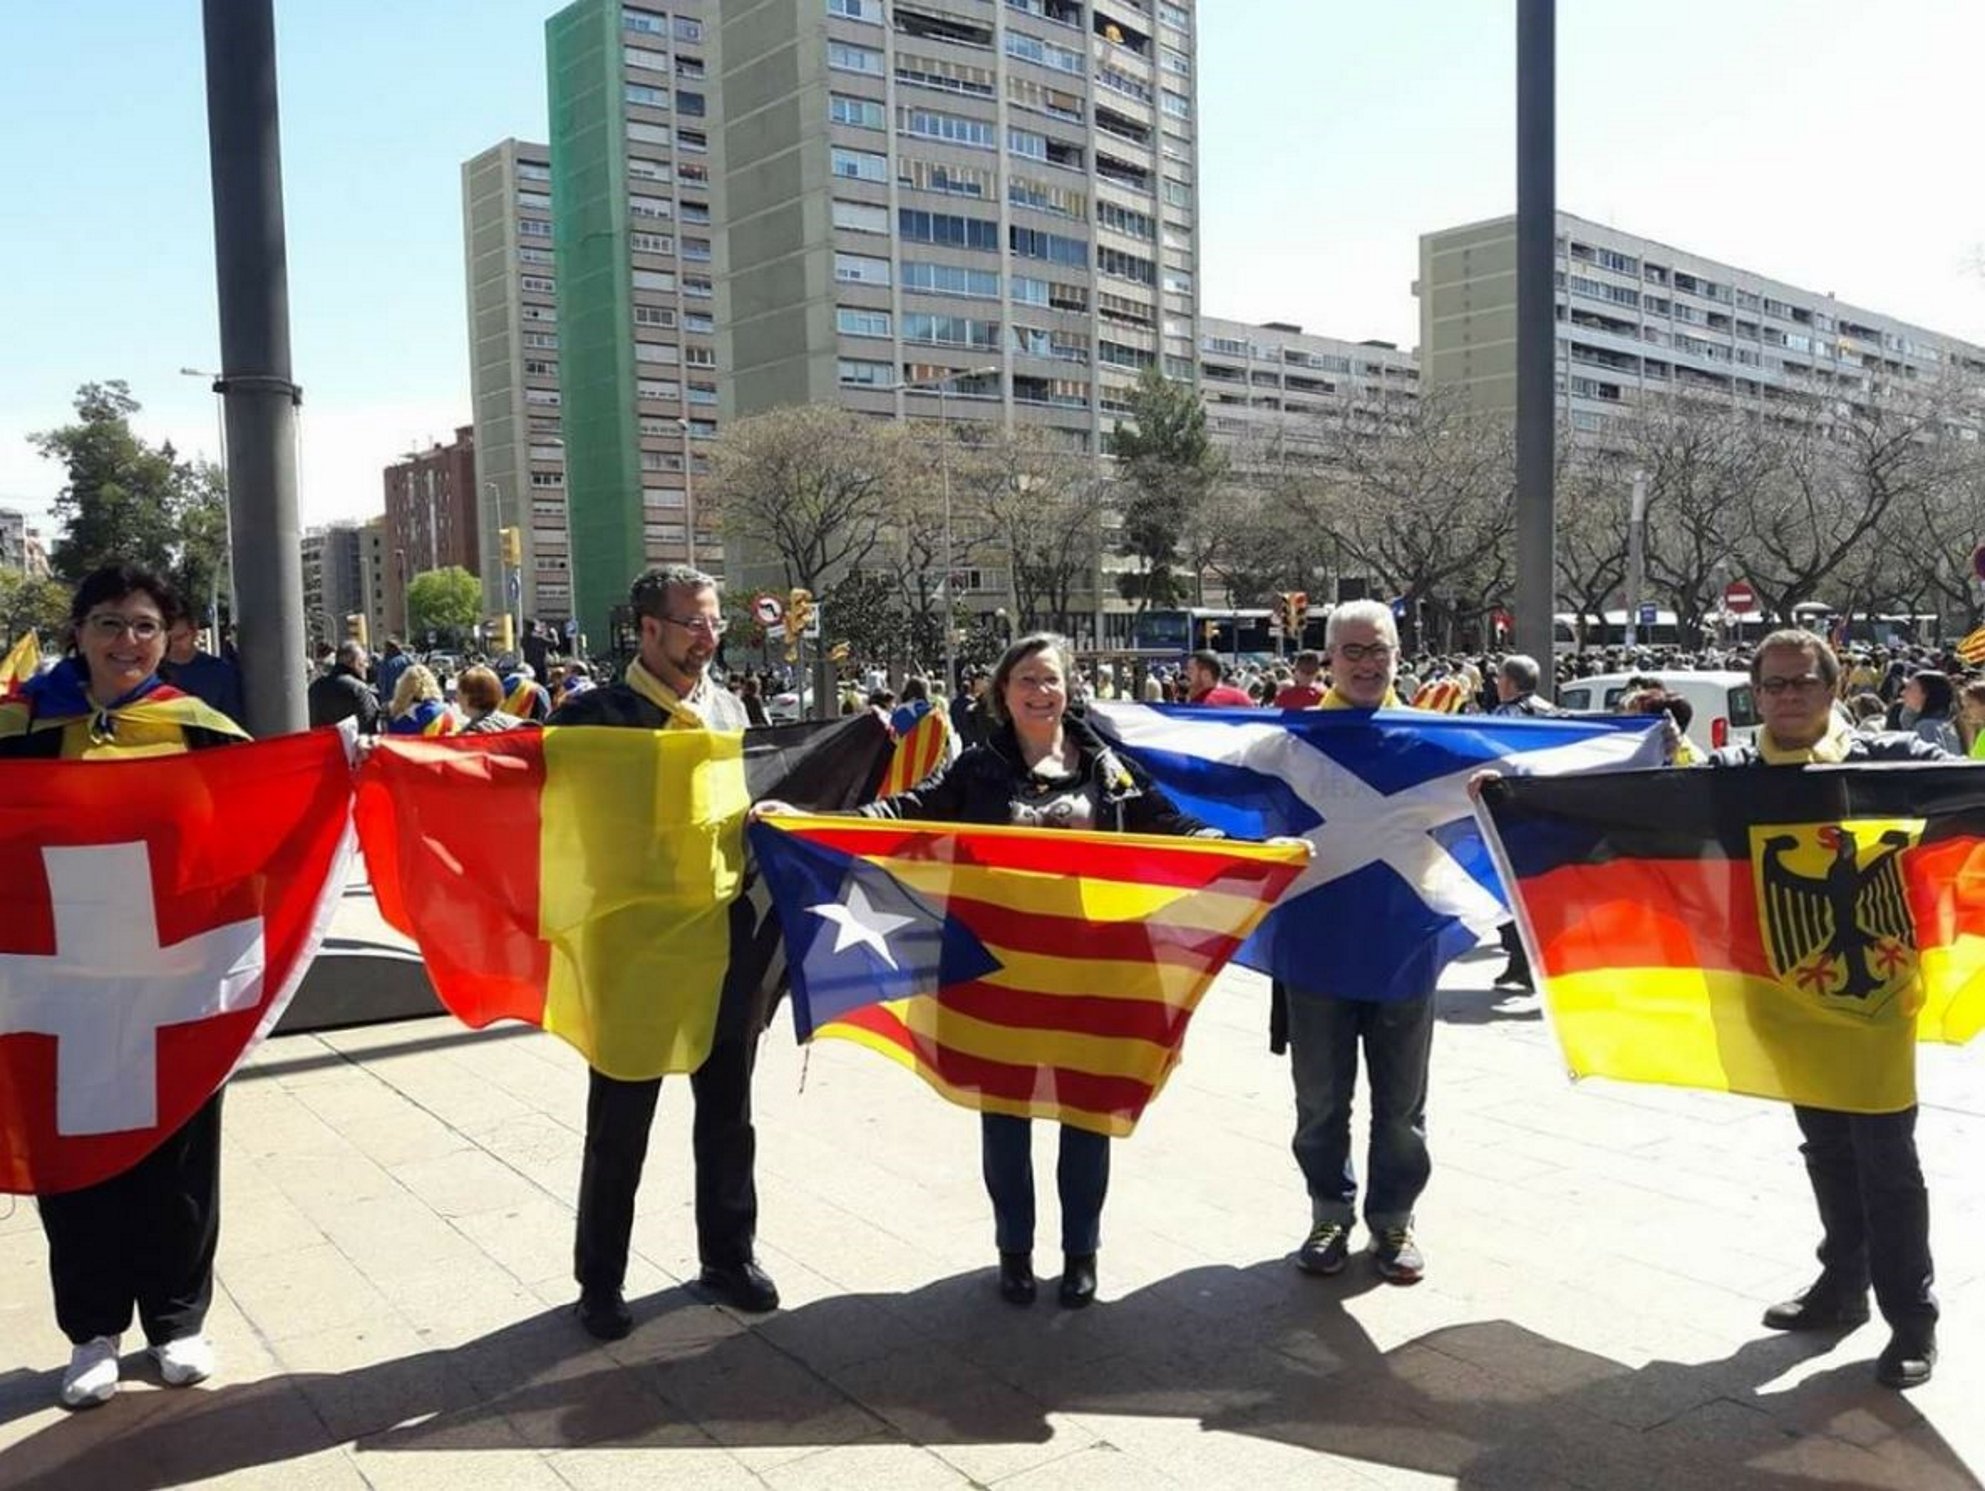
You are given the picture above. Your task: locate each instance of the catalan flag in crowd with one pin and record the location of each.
(589, 880)
(1041, 973)
(20, 664)
(1781, 932)
(920, 750)
(1443, 696)
(1971, 647)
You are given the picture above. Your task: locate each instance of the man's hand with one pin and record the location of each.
(1480, 780)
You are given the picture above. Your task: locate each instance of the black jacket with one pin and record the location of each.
(1891, 746)
(342, 695)
(980, 786)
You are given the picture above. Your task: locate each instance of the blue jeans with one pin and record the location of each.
(1325, 1034)
(1082, 1176)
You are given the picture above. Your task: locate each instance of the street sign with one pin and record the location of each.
(572, 627)
(812, 629)
(768, 610)
(1738, 596)
(1647, 615)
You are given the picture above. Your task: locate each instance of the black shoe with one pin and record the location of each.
(604, 1314)
(1515, 975)
(1908, 1359)
(1078, 1280)
(743, 1286)
(1397, 1257)
(1325, 1249)
(1016, 1278)
(1824, 1307)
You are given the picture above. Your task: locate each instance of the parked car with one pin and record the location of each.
(1725, 708)
(789, 708)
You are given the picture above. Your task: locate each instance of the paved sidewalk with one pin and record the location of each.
(395, 1262)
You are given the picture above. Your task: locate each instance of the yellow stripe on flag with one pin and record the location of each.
(20, 664)
(641, 843)
(1081, 898)
(1172, 984)
(1957, 972)
(1730, 1032)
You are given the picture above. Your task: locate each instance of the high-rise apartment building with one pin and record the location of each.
(1275, 386)
(333, 580)
(838, 201)
(513, 370)
(13, 539)
(431, 516)
(385, 604)
(634, 140)
(1638, 318)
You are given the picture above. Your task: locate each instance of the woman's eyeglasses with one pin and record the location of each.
(110, 628)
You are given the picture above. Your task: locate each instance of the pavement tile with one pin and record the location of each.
(882, 1464)
(684, 1468)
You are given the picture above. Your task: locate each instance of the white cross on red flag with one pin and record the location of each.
(156, 917)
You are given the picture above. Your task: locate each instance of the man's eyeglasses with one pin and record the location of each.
(702, 625)
(1364, 652)
(110, 628)
(1805, 683)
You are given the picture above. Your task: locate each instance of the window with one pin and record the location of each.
(537, 367)
(854, 321)
(1057, 103)
(540, 313)
(547, 479)
(1046, 53)
(857, 113)
(697, 143)
(856, 10)
(689, 103)
(1029, 291)
(645, 21)
(530, 170)
(950, 331)
(696, 248)
(660, 352)
(655, 207)
(534, 256)
(859, 165)
(653, 315)
(1175, 104)
(642, 57)
(1042, 196)
(538, 283)
(859, 269)
(916, 226)
(702, 393)
(548, 397)
(861, 217)
(946, 77)
(1123, 220)
(1031, 243)
(544, 341)
(644, 169)
(950, 279)
(1177, 282)
(694, 212)
(862, 374)
(689, 67)
(1026, 142)
(530, 227)
(699, 321)
(1177, 193)
(688, 28)
(647, 134)
(943, 176)
(929, 124)
(651, 243)
(641, 93)
(845, 56)
(1128, 266)
(697, 287)
(659, 388)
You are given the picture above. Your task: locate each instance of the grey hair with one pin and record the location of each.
(1022, 649)
(351, 653)
(648, 596)
(1374, 613)
(1521, 669)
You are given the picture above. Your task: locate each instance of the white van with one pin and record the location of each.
(1725, 708)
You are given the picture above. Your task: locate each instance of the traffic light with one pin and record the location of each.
(503, 629)
(355, 629)
(1295, 611)
(799, 612)
(513, 547)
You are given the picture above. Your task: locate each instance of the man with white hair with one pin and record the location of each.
(1327, 1025)
(1517, 682)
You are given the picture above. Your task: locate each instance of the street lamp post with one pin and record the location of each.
(688, 493)
(942, 388)
(1636, 553)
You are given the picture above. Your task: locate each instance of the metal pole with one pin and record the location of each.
(688, 493)
(1536, 326)
(944, 473)
(251, 275)
(1636, 552)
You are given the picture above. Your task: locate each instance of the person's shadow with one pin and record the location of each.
(1258, 1351)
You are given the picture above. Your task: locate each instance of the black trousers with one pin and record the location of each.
(143, 1238)
(618, 1117)
(1874, 1208)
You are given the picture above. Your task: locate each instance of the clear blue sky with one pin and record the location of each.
(1831, 143)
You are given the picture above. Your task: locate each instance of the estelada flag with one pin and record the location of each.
(920, 750)
(1036, 972)
(156, 917)
(587, 879)
(1789, 933)
(1971, 647)
(20, 663)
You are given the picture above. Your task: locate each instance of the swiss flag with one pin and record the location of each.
(156, 917)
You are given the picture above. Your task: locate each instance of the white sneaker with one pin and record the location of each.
(92, 1375)
(186, 1361)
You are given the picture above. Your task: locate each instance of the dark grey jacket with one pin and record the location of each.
(1889, 746)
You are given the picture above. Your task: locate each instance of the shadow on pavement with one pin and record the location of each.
(1258, 1351)
(1484, 1006)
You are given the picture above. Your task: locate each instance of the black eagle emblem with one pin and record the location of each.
(1844, 921)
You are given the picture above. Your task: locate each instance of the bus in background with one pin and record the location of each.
(1881, 629)
(1241, 634)
(1610, 630)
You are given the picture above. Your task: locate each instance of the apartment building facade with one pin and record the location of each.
(1274, 387)
(334, 581)
(634, 159)
(431, 516)
(1639, 319)
(13, 539)
(513, 370)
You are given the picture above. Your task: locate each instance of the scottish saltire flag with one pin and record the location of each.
(1036, 972)
(1401, 883)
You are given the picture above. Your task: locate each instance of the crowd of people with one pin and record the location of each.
(1024, 755)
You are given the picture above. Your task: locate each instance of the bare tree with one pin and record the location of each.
(1701, 458)
(815, 485)
(1039, 509)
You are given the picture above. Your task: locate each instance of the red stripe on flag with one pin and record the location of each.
(916, 755)
(450, 830)
(1647, 913)
(1050, 1086)
(1075, 1014)
(1136, 861)
(1151, 941)
(1945, 882)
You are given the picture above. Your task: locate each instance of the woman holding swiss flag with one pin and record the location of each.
(145, 1237)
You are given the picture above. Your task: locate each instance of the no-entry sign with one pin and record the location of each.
(1738, 596)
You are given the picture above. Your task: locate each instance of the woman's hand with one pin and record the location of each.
(770, 808)
(1291, 841)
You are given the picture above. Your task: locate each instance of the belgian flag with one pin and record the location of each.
(1785, 932)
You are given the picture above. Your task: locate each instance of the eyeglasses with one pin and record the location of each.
(110, 628)
(702, 625)
(1805, 683)
(1364, 652)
